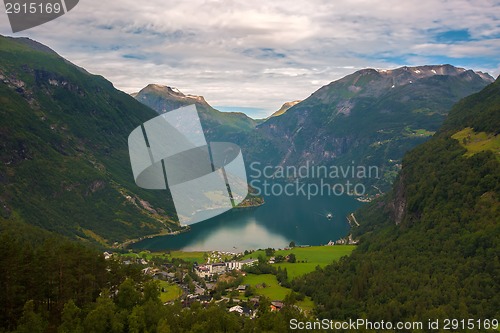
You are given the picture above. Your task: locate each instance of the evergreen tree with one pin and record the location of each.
(71, 321)
(30, 321)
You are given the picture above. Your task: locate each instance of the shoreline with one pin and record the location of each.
(251, 206)
(298, 247)
(126, 244)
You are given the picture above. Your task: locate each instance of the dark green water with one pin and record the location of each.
(274, 224)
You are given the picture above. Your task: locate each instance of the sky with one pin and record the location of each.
(252, 56)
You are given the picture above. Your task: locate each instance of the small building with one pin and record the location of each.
(254, 300)
(202, 271)
(204, 299)
(198, 290)
(232, 265)
(247, 312)
(238, 265)
(218, 268)
(276, 305)
(236, 308)
(208, 270)
(241, 310)
(160, 276)
(248, 262)
(242, 288)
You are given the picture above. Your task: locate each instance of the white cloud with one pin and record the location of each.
(263, 53)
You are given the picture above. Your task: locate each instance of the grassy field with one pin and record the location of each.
(417, 132)
(307, 260)
(308, 257)
(273, 290)
(172, 291)
(199, 256)
(188, 256)
(194, 256)
(477, 142)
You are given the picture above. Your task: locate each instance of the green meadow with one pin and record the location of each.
(169, 292)
(308, 257)
(196, 256)
(267, 285)
(476, 142)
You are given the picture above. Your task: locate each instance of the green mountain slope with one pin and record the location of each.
(430, 248)
(371, 117)
(64, 162)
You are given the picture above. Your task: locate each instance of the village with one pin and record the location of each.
(243, 283)
(214, 281)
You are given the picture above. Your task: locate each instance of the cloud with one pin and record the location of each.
(260, 54)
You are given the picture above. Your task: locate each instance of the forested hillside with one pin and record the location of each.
(64, 162)
(430, 248)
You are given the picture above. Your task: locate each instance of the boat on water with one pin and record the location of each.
(329, 216)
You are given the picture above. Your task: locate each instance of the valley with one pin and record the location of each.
(87, 250)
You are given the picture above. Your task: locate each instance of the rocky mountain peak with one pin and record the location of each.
(285, 107)
(165, 98)
(169, 91)
(419, 72)
(372, 82)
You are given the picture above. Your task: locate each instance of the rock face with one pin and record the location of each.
(397, 205)
(164, 98)
(371, 116)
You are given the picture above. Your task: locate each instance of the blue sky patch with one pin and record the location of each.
(453, 36)
(134, 56)
(264, 53)
(256, 113)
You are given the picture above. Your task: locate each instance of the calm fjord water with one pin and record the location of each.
(275, 224)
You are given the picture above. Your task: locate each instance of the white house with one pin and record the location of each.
(238, 265)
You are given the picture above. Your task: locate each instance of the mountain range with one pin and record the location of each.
(64, 136)
(371, 117)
